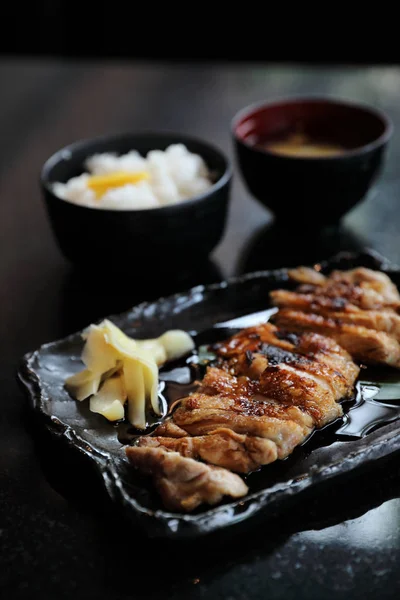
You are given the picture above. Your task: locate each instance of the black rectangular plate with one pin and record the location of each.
(43, 372)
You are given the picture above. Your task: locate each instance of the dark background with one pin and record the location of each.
(212, 31)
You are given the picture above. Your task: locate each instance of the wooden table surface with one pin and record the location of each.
(58, 543)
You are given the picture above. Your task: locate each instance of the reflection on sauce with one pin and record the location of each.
(299, 144)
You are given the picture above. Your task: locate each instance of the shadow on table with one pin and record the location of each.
(127, 552)
(90, 295)
(276, 245)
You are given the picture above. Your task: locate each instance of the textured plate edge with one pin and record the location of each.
(178, 525)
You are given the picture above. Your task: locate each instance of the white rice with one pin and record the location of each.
(175, 175)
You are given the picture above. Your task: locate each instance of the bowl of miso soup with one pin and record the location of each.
(310, 160)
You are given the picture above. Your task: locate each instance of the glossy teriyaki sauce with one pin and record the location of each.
(376, 401)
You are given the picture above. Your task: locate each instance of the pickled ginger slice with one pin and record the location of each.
(134, 384)
(154, 349)
(141, 383)
(83, 384)
(122, 345)
(176, 343)
(110, 399)
(98, 355)
(169, 346)
(109, 350)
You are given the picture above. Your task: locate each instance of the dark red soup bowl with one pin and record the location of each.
(310, 190)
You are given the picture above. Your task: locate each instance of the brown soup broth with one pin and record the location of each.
(302, 145)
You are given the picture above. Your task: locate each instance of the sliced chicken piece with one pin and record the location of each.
(307, 275)
(221, 381)
(280, 386)
(372, 280)
(317, 355)
(312, 373)
(170, 429)
(366, 345)
(342, 290)
(250, 339)
(222, 447)
(327, 350)
(311, 394)
(384, 320)
(358, 308)
(311, 302)
(361, 276)
(284, 432)
(328, 375)
(184, 483)
(245, 403)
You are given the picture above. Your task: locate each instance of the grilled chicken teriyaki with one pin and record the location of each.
(184, 483)
(358, 308)
(265, 394)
